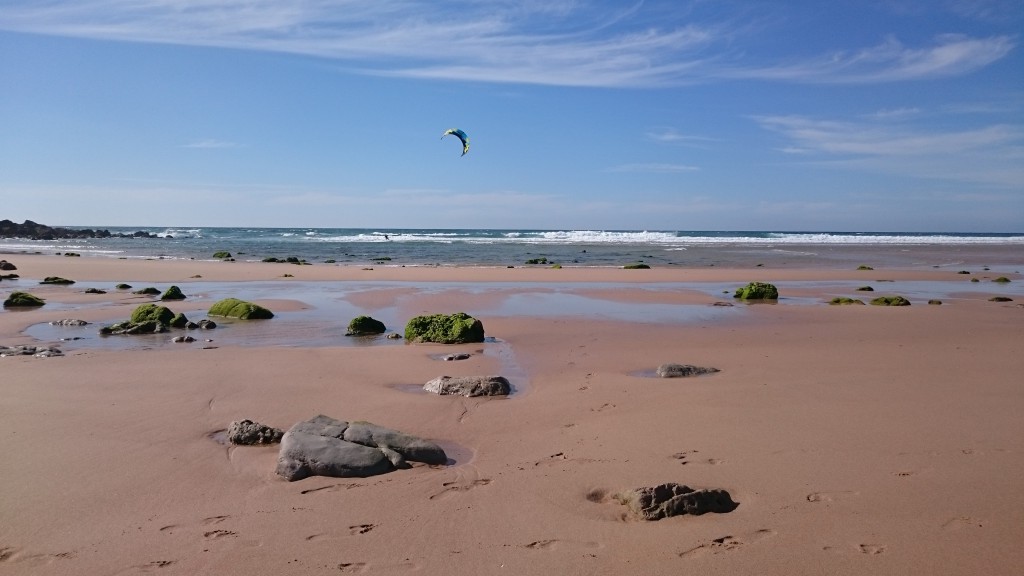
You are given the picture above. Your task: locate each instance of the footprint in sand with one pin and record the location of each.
(360, 529)
(217, 534)
(871, 549)
(961, 522)
(332, 488)
(831, 496)
(553, 544)
(214, 520)
(726, 543)
(460, 486)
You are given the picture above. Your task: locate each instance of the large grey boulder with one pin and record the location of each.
(469, 385)
(671, 499)
(324, 446)
(410, 447)
(682, 370)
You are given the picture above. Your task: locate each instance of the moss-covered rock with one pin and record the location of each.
(123, 286)
(179, 320)
(173, 293)
(890, 301)
(56, 280)
(1002, 280)
(23, 300)
(147, 291)
(840, 300)
(537, 261)
(235, 308)
(445, 329)
(865, 289)
(864, 267)
(637, 266)
(363, 325)
(221, 254)
(151, 313)
(757, 291)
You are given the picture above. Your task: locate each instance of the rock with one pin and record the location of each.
(68, 322)
(840, 300)
(323, 446)
(394, 336)
(1000, 299)
(249, 433)
(235, 308)
(682, 370)
(183, 339)
(23, 300)
(720, 303)
(37, 351)
(757, 291)
(173, 293)
(1002, 280)
(179, 321)
(95, 291)
(5, 265)
(671, 499)
(459, 356)
(221, 254)
(148, 291)
(865, 289)
(455, 328)
(56, 280)
(935, 302)
(34, 231)
(123, 286)
(469, 386)
(639, 266)
(364, 325)
(890, 301)
(410, 447)
(151, 313)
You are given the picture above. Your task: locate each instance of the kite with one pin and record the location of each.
(461, 136)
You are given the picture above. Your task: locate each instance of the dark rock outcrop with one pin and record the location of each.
(33, 231)
(671, 499)
(365, 326)
(37, 351)
(757, 291)
(469, 386)
(235, 308)
(682, 370)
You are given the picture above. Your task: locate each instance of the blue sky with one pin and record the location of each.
(875, 115)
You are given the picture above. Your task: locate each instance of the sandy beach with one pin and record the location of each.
(855, 439)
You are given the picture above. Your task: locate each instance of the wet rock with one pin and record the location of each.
(459, 356)
(37, 351)
(5, 265)
(23, 300)
(682, 370)
(68, 322)
(671, 499)
(235, 308)
(364, 326)
(249, 433)
(455, 328)
(757, 291)
(469, 386)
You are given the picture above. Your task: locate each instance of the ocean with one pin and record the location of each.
(597, 248)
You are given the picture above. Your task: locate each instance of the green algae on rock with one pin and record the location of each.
(173, 293)
(363, 325)
(23, 300)
(445, 329)
(757, 291)
(235, 308)
(840, 300)
(890, 301)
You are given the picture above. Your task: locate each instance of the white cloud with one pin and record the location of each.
(983, 155)
(889, 61)
(655, 168)
(210, 143)
(563, 42)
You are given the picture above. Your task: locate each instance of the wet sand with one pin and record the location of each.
(856, 439)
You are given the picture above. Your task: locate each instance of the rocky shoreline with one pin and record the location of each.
(34, 231)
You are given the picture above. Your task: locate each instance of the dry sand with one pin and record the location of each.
(856, 439)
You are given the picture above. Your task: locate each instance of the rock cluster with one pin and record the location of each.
(34, 231)
(323, 446)
(37, 351)
(671, 499)
(469, 386)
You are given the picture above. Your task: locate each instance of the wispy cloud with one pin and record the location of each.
(210, 143)
(559, 42)
(673, 136)
(984, 155)
(654, 168)
(890, 61)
